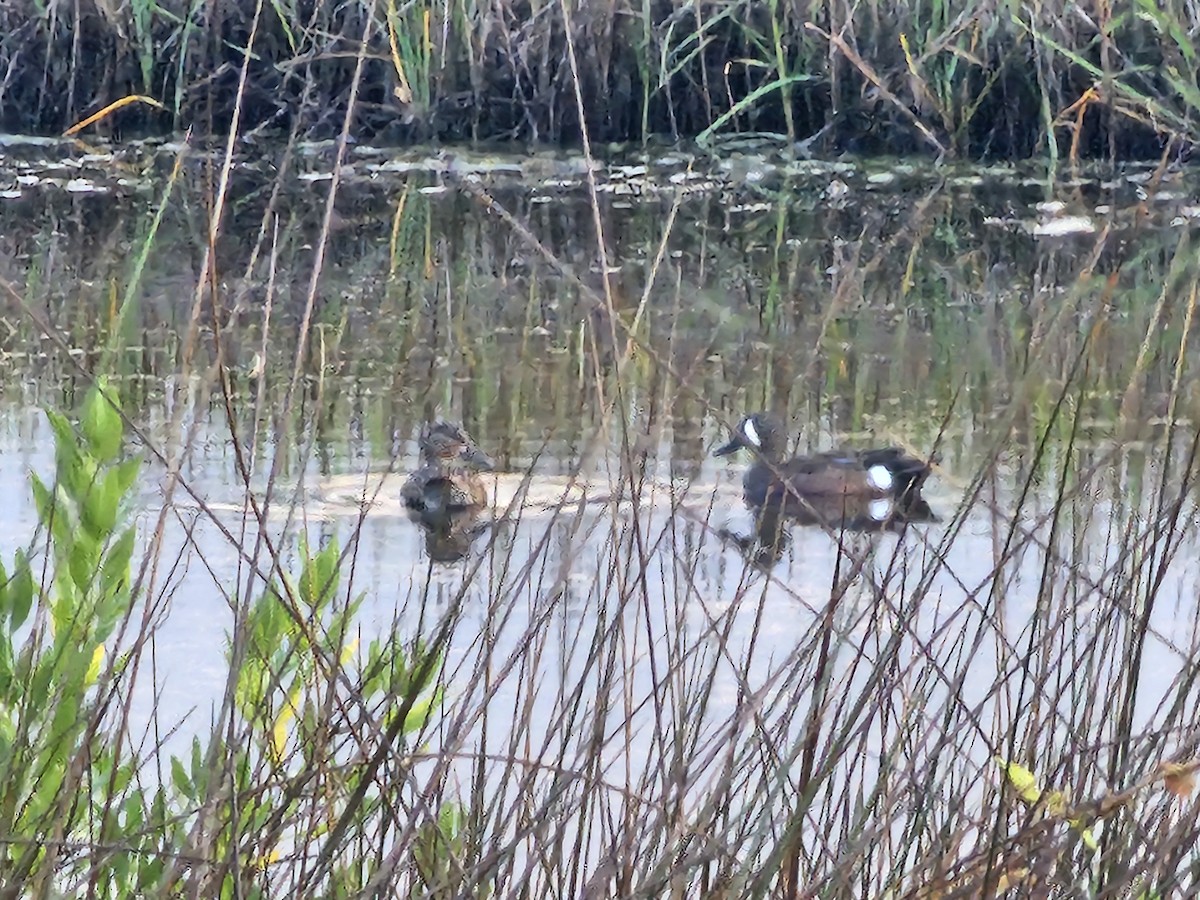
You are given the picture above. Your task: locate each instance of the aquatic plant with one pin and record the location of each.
(296, 755)
(977, 79)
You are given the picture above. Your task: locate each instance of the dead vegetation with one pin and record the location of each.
(975, 79)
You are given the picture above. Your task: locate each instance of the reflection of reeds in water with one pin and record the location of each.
(886, 341)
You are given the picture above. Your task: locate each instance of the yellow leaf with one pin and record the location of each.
(402, 91)
(93, 669)
(261, 862)
(279, 733)
(112, 107)
(1011, 878)
(1022, 780)
(912, 66)
(1085, 834)
(1056, 803)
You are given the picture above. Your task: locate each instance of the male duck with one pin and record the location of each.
(447, 483)
(871, 485)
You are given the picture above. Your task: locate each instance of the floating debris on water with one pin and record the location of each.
(84, 186)
(1063, 226)
(750, 177)
(836, 189)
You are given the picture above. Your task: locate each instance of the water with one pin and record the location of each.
(869, 303)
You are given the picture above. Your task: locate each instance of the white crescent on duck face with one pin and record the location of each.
(751, 432)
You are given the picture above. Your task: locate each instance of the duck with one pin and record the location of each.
(447, 484)
(864, 489)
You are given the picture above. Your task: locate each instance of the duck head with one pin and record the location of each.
(759, 432)
(449, 446)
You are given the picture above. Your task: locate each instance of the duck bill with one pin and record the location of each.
(732, 447)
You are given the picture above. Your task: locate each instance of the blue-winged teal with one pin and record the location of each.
(870, 486)
(447, 483)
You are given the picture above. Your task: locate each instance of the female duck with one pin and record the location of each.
(447, 483)
(887, 482)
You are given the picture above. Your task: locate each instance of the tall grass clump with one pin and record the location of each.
(974, 79)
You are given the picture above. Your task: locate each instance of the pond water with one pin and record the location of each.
(1032, 334)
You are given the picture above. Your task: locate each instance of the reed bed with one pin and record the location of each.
(980, 79)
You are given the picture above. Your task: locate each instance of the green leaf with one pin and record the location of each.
(121, 862)
(704, 139)
(102, 427)
(124, 474)
(54, 512)
(83, 561)
(180, 779)
(199, 772)
(43, 500)
(420, 713)
(8, 733)
(319, 578)
(79, 479)
(158, 809)
(150, 871)
(100, 507)
(122, 779)
(115, 569)
(135, 815)
(6, 676)
(250, 692)
(108, 612)
(65, 440)
(20, 591)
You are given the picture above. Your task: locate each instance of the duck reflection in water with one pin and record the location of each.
(446, 495)
(865, 491)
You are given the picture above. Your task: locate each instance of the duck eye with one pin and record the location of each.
(751, 433)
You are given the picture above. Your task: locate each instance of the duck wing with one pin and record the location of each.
(439, 493)
(825, 474)
(886, 472)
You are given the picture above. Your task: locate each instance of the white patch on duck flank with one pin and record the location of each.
(880, 478)
(751, 433)
(879, 510)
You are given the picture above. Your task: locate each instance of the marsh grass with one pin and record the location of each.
(609, 702)
(973, 79)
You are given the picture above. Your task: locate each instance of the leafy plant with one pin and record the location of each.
(50, 700)
(75, 808)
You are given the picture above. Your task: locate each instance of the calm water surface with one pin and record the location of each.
(865, 303)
